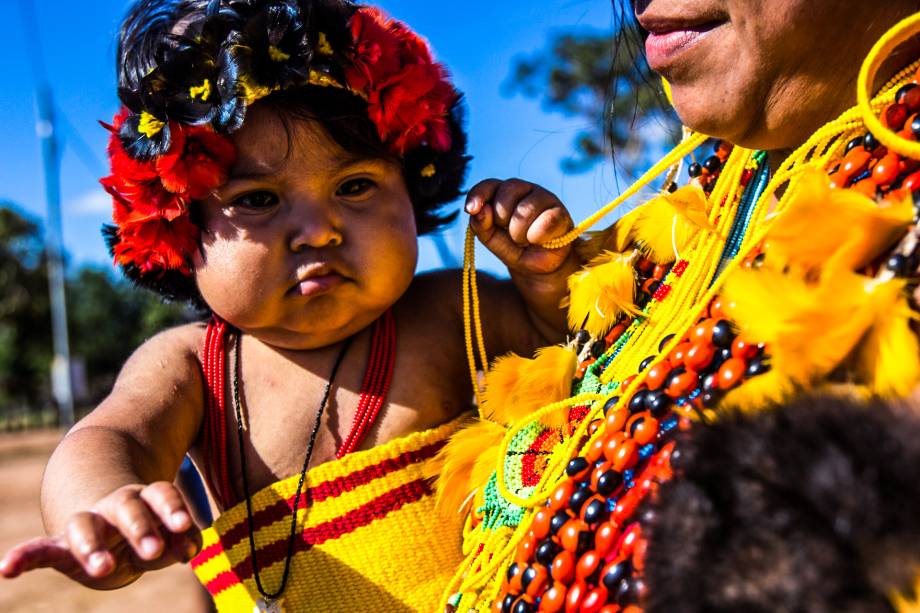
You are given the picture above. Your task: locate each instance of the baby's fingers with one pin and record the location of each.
(481, 194)
(41, 552)
(131, 516)
(167, 503)
(86, 535)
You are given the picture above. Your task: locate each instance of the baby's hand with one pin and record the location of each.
(134, 529)
(513, 218)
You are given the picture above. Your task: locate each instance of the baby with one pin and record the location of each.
(274, 162)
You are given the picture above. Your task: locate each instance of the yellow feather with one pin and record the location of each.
(666, 225)
(602, 292)
(515, 387)
(759, 392)
(809, 328)
(464, 463)
(889, 357)
(617, 238)
(821, 222)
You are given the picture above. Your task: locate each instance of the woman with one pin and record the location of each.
(781, 268)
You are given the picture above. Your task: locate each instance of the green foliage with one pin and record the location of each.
(601, 78)
(107, 318)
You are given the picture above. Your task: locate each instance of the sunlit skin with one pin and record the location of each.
(765, 74)
(303, 247)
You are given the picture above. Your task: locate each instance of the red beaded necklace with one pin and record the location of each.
(376, 383)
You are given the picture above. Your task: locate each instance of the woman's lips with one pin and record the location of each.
(663, 46)
(319, 284)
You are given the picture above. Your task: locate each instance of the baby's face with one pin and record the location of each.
(305, 244)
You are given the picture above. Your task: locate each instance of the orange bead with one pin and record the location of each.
(605, 538)
(642, 427)
(617, 419)
(538, 581)
(611, 608)
(699, 356)
(587, 565)
(576, 594)
(570, 534)
(514, 584)
(677, 355)
(657, 373)
(866, 187)
(682, 384)
(560, 496)
(886, 171)
(703, 331)
(595, 451)
(717, 309)
(615, 333)
(563, 567)
(854, 162)
(614, 440)
(553, 599)
(526, 548)
(594, 425)
(632, 609)
(599, 470)
(659, 272)
(744, 350)
(540, 523)
(594, 600)
(731, 372)
(626, 456)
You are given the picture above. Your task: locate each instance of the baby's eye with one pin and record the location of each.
(355, 187)
(256, 200)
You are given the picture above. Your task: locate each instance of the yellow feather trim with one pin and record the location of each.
(757, 393)
(889, 357)
(515, 387)
(821, 223)
(809, 328)
(602, 292)
(201, 92)
(466, 462)
(665, 225)
(148, 125)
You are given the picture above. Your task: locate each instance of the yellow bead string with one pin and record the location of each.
(468, 281)
(900, 33)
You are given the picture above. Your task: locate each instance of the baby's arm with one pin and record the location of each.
(108, 501)
(512, 219)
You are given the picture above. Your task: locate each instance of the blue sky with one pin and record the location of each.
(477, 39)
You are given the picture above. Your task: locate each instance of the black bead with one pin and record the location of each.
(664, 342)
(722, 334)
(659, 404)
(595, 512)
(758, 261)
(608, 482)
(899, 96)
(615, 575)
(898, 264)
(576, 466)
(507, 603)
(522, 606)
(625, 593)
(646, 362)
(724, 355)
(713, 164)
(585, 542)
(653, 287)
(582, 337)
(695, 170)
(578, 499)
(513, 570)
(530, 573)
(598, 348)
(642, 299)
(716, 144)
(546, 552)
(677, 370)
(710, 382)
(854, 142)
(558, 520)
(612, 402)
(710, 398)
(757, 366)
(672, 187)
(915, 126)
(870, 143)
(637, 403)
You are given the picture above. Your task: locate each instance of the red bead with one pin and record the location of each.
(553, 599)
(605, 538)
(576, 594)
(563, 567)
(540, 523)
(642, 427)
(912, 182)
(587, 564)
(886, 171)
(731, 372)
(644, 265)
(699, 356)
(626, 456)
(682, 384)
(625, 508)
(895, 116)
(615, 333)
(594, 600)
(659, 272)
(912, 99)
(630, 539)
(744, 350)
(560, 496)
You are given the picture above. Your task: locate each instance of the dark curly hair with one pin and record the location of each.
(155, 28)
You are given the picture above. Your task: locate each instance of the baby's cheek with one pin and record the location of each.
(233, 280)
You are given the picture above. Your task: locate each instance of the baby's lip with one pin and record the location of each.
(317, 278)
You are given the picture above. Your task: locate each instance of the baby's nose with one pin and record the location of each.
(313, 227)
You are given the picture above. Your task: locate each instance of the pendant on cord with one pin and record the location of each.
(267, 605)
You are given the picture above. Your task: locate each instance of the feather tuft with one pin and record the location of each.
(515, 387)
(666, 224)
(889, 357)
(602, 292)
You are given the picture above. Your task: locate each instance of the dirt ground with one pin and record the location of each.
(22, 459)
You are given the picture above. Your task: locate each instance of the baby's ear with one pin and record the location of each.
(809, 506)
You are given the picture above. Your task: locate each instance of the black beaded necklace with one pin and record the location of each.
(272, 596)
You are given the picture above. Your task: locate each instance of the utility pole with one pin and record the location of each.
(61, 385)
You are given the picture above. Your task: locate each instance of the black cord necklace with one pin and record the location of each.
(270, 597)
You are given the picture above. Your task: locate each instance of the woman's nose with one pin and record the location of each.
(314, 225)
